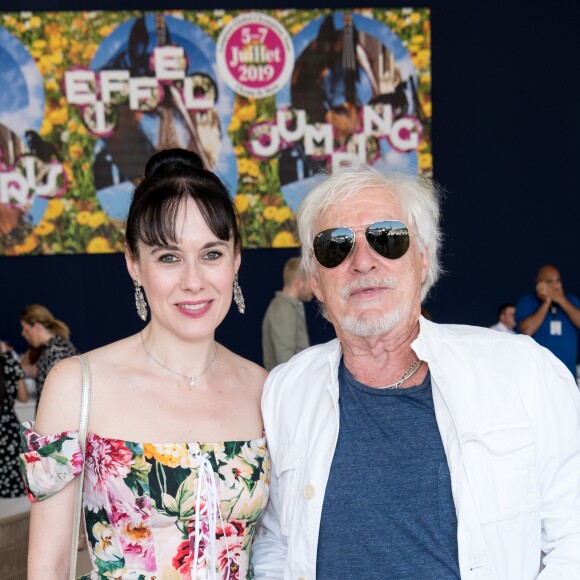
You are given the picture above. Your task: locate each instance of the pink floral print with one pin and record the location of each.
(140, 501)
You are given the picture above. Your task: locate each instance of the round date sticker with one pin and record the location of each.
(255, 55)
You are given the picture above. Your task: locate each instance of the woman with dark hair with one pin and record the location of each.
(176, 470)
(11, 388)
(50, 339)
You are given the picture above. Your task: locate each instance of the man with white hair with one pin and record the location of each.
(407, 449)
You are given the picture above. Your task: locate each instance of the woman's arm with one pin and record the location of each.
(22, 392)
(28, 366)
(51, 520)
(50, 536)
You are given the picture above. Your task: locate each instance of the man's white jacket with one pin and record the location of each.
(509, 416)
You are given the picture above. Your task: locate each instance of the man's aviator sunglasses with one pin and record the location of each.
(389, 239)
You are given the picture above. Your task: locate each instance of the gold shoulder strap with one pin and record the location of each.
(84, 421)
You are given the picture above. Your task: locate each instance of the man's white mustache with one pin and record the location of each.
(386, 282)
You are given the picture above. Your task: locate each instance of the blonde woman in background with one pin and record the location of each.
(42, 330)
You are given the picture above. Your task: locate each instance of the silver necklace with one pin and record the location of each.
(412, 370)
(191, 379)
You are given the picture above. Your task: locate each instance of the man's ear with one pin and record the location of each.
(315, 287)
(424, 266)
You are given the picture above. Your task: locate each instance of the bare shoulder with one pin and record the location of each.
(59, 408)
(245, 371)
(60, 403)
(116, 356)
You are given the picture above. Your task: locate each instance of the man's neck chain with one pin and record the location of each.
(408, 374)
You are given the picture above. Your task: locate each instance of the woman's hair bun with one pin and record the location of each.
(173, 163)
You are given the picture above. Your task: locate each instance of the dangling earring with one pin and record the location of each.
(140, 303)
(239, 297)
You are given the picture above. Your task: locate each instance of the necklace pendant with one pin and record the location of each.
(192, 382)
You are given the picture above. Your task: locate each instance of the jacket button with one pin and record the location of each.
(309, 491)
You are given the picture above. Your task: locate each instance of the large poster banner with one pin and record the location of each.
(268, 99)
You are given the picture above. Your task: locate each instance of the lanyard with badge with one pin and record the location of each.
(555, 325)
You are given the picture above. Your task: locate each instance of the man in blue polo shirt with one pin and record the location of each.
(551, 317)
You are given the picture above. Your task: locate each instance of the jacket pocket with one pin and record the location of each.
(501, 471)
(287, 469)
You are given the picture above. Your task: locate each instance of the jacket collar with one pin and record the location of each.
(334, 356)
(429, 340)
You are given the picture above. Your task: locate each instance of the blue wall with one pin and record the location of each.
(505, 142)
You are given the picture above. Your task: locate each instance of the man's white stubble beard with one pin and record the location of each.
(373, 325)
(368, 325)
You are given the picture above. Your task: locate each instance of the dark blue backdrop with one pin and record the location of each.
(505, 142)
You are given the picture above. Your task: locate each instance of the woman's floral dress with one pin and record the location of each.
(157, 511)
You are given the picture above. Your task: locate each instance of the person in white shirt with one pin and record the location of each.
(403, 448)
(506, 319)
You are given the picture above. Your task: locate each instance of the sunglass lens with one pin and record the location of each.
(390, 239)
(332, 247)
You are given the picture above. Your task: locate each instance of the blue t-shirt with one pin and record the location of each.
(564, 345)
(388, 511)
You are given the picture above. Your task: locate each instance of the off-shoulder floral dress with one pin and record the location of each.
(157, 511)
